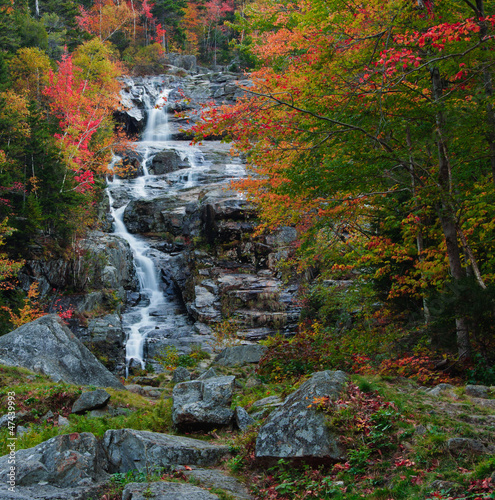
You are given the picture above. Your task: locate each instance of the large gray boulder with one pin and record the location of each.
(48, 492)
(203, 404)
(65, 461)
(165, 491)
(92, 400)
(128, 449)
(47, 346)
(296, 431)
(240, 355)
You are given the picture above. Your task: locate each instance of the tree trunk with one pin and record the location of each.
(447, 216)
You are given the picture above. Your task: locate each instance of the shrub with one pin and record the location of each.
(170, 358)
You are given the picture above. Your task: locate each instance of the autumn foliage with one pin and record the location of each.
(369, 127)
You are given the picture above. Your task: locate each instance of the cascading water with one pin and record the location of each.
(157, 124)
(148, 284)
(156, 319)
(141, 320)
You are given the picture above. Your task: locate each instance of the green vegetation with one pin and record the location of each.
(170, 358)
(395, 440)
(393, 434)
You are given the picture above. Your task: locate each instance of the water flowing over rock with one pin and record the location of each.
(191, 236)
(47, 346)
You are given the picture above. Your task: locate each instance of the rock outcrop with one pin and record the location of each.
(74, 466)
(203, 404)
(47, 346)
(103, 261)
(165, 491)
(240, 355)
(129, 449)
(91, 400)
(296, 431)
(65, 461)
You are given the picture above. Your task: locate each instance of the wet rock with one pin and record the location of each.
(91, 400)
(47, 346)
(128, 449)
(203, 404)
(165, 491)
(240, 355)
(168, 161)
(296, 431)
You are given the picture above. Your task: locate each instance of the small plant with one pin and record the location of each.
(481, 372)
(369, 423)
(225, 334)
(418, 368)
(30, 310)
(170, 358)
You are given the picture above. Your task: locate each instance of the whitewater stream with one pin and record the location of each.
(158, 311)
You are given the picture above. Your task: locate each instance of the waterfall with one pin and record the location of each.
(155, 318)
(141, 320)
(157, 123)
(148, 285)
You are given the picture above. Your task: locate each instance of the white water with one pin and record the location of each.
(148, 285)
(158, 316)
(157, 123)
(143, 319)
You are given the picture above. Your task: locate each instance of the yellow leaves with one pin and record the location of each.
(29, 71)
(30, 311)
(14, 116)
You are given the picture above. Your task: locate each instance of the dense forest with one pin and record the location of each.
(324, 324)
(59, 69)
(368, 127)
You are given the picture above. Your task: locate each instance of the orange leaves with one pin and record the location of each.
(30, 310)
(82, 96)
(105, 18)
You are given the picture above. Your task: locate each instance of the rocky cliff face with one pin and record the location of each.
(190, 91)
(199, 233)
